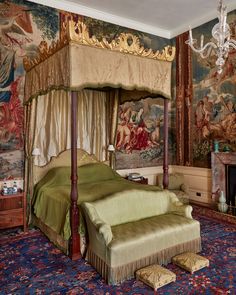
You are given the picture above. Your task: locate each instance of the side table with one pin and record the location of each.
(13, 210)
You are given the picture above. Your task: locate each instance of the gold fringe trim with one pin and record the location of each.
(121, 273)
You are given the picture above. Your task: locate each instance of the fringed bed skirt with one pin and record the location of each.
(54, 237)
(116, 275)
(57, 239)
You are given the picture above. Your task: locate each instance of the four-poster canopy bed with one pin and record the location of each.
(76, 62)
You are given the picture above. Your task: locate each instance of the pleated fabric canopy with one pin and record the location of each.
(79, 61)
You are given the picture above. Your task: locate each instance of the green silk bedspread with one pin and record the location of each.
(51, 199)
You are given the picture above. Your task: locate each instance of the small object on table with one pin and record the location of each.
(134, 175)
(216, 146)
(222, 206)
(155, 276)
(139, 179)
(190, 261)
(5, 189)
(15, 189)
(226, 149)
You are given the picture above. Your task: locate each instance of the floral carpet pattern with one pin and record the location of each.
(30, 264)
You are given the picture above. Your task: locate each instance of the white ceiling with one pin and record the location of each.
(164, 18)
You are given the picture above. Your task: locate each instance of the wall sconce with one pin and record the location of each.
(36, 152)
(111, 149)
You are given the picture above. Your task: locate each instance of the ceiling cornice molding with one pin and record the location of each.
(107, 17)
(199, 21)
(132, 24)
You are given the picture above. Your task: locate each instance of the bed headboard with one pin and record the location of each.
(63, 159)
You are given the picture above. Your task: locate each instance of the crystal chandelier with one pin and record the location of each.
(222, 42)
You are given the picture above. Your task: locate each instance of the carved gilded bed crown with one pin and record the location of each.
(79, 33)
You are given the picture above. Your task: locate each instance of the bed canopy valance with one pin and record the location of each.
(123, 63)
(78, 61)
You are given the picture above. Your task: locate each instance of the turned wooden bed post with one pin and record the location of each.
(165, 160)
(74, 211)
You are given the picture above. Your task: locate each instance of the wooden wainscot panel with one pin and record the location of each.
(199, 181)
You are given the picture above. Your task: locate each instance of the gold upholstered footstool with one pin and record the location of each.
(155, 276)
(190, 261)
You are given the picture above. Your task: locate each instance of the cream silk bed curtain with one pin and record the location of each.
(53, 124)
(48, 127)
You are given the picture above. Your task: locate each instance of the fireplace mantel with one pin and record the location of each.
(218, 165)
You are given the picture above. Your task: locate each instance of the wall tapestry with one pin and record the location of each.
(139, 140)
(214, 100)
(22, 26)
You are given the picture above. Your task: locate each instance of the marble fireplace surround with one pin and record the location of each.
(218, 165)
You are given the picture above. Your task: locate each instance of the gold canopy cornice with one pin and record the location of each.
(78, 32)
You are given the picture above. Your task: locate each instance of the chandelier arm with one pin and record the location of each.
(221, 34)
(208, 49)
(232, 43)
(201, 50)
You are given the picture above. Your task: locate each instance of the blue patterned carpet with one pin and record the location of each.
(30, 264)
